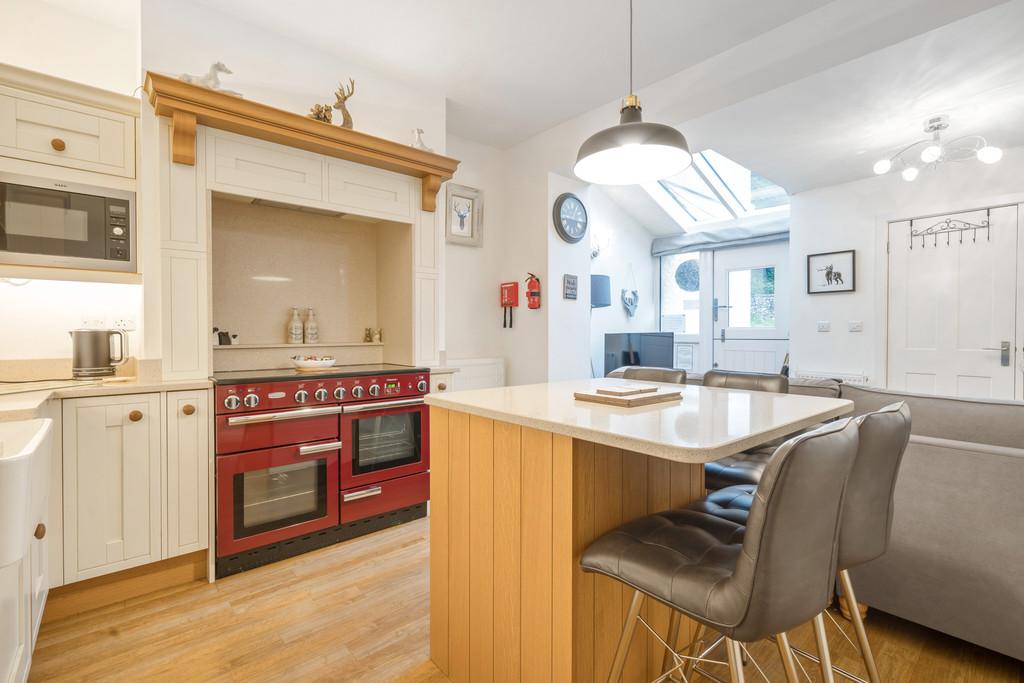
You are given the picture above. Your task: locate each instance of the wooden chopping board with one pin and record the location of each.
(627, 390)
(632, 401)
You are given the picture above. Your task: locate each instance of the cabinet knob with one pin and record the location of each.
(58, 144)
(40, 531)
(188, 409)
(135, 415)
(441, 386)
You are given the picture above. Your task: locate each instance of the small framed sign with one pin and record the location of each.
(832, 272)
(570, 286)
(465, 216)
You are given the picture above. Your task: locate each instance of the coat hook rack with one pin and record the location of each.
(949, 227)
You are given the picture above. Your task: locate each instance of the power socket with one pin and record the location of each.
(93, 322)
(824, 326)
(856, 325)
(125, 322)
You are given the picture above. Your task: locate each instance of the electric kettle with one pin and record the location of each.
(91, 354)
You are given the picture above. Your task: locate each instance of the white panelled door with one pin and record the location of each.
(952, 304)
(750, 309)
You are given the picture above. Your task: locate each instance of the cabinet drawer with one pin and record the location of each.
(257, 168)
(440, 383)
(369, 191)
(394, 494)
(46, 130)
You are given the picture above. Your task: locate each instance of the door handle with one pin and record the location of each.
(1004, 355)
(715, 306)
(283, 415)
(320, 448)
(365, 493)
(381, 405)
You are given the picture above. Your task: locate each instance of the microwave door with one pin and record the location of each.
(41, 221)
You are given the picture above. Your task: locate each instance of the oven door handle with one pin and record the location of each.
(365, 493)
(382, 405)
(283, 415)
(320, 448)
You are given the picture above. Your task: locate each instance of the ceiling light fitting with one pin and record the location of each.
(632, 152)
(933, 151)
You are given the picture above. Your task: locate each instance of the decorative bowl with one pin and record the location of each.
(313, 362)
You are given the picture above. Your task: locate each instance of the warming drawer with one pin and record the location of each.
(393, 494)
(252, 431)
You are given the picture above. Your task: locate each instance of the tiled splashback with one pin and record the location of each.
(268, 259)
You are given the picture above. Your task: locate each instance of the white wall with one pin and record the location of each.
(35, 318)
(568, 320)
(625, 257)
(853, 216)
(472, 315)
(76, 45)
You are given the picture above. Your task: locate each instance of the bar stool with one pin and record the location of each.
(746, 467)
(647, 374)
(777, 577)
(866, 522)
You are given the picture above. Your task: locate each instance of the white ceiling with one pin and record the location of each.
(831, 127)
(513, 68)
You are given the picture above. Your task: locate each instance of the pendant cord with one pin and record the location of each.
(630, 47)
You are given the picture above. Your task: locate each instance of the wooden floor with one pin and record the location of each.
(359, 612)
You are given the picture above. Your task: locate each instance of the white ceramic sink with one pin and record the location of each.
(24, 461)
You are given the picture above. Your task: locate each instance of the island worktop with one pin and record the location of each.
(524, 478)
(708, 424)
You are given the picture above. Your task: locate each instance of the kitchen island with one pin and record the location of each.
(524, 478)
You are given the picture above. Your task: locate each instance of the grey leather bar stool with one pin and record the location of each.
(778, 576)
(866, 522)
(746, 467)
(646, 374)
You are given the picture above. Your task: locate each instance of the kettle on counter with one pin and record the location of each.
(92, 354)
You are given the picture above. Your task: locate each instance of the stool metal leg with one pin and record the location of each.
(696, 649)
(732, 649)
(673, 640)
(858, 626)
(627, 636)
(823, 653)
(788, 662)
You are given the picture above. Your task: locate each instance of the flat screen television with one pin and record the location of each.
(653, 349)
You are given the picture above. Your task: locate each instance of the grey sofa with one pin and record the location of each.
(955, 562)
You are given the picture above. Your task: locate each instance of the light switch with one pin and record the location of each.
(856, 326)
(824, 326)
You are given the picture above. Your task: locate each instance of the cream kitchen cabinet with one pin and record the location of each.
(186, 511)
(48, 130)
(112, 484)
(240, 165)
(441, 382)
(15, 620)
(369, 191)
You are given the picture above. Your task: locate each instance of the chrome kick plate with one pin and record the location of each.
(365, 493)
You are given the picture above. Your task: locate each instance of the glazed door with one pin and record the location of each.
(750, 312)
(953, 304)
(383, 440)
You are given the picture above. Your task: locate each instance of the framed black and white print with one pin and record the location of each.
(832, 272)
(465, 219)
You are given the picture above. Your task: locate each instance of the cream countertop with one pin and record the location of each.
(706, 425)
(26, 402)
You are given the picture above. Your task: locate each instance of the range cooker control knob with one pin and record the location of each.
(421, 386)
(339, 393)
(301, 396)
(320, 394)
(357, 392)
(374, 390)
(251, 400)
(232, 402)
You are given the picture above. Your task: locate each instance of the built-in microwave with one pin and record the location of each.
(65, 225)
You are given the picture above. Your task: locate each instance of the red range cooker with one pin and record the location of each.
(303, 461)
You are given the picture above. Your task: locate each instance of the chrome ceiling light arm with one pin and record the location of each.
(935, 151)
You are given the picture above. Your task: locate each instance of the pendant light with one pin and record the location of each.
(632, 152)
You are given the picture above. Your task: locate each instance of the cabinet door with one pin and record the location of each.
(51, 131)
(261, 169)
(15, 620)
(188, 463)
(441, 382)
(111, 484)
(186, 318)
(369, 191)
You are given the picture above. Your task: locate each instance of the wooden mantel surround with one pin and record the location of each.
(189, 105)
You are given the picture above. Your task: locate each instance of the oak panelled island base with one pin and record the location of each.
(512, 508)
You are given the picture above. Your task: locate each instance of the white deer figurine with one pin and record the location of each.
(212, 79)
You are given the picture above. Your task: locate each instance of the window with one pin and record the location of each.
(680, 293)
(752, 297)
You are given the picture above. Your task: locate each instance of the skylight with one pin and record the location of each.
(715, 189)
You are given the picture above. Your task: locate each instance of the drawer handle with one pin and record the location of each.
(442, 386)
(40, 531)
(365, 493)
(188, 409)
(135, 415)
(58, 144)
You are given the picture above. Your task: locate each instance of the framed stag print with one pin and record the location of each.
(465, 220)
(832, 272)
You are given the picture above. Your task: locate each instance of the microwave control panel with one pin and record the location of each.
(119, 246)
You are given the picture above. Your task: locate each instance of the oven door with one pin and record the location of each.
(384, 440)
(236, 433)
(276, 494)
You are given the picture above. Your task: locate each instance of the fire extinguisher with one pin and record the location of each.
(533, 291)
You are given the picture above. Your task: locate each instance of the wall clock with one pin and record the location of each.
(570, 217)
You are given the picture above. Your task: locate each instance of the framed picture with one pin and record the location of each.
(465, 219)
(570, 286)
(831, 272)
